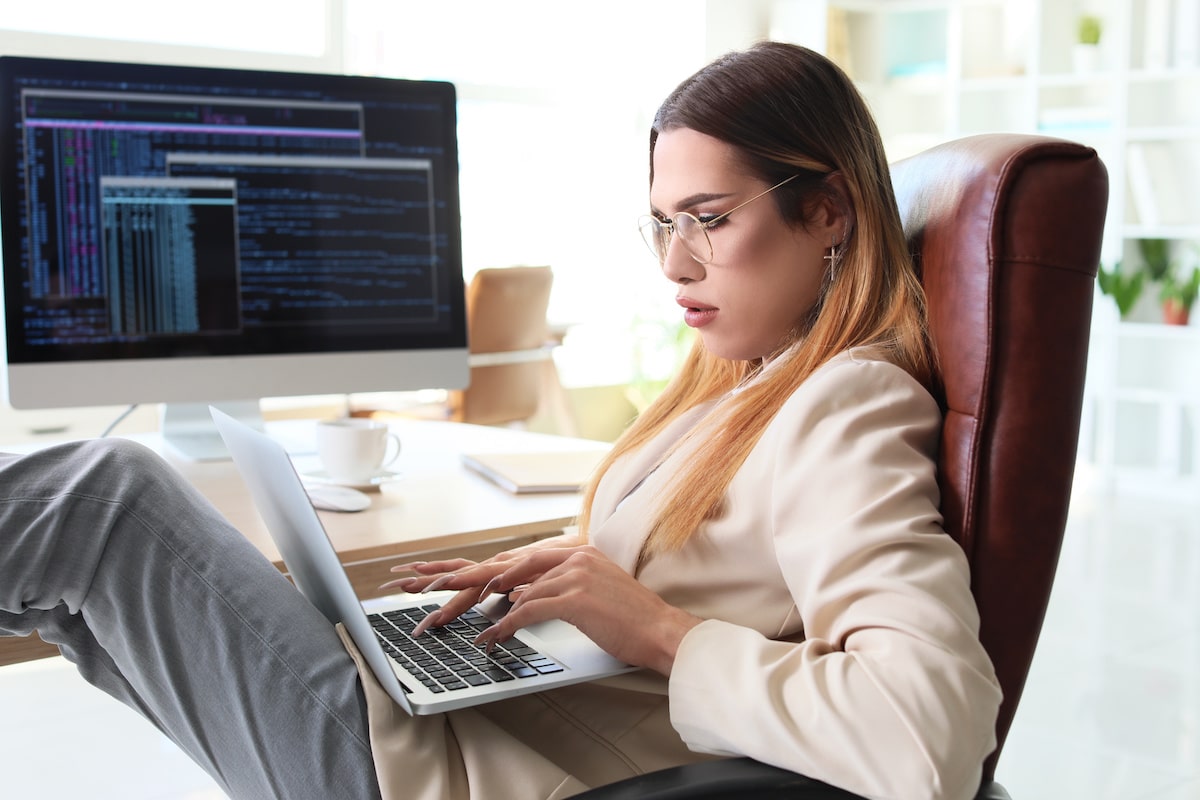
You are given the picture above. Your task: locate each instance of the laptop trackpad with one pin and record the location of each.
(561, 639)
(551, 631)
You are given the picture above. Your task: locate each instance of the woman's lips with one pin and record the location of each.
(696, 315)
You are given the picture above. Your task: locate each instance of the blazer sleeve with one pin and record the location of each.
(889, 694)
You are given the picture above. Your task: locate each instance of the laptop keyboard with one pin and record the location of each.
(446, 658)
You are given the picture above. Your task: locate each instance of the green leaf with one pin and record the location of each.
(1124, 289)
(1157, 255)
(1183, 291)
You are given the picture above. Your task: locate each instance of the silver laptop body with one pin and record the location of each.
(566, 655)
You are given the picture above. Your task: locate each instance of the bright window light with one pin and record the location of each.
(555, 105)
(291, 27)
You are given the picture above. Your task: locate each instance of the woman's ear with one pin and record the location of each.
(837, 215)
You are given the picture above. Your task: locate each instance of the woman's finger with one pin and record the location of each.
(431, 567)
(532, 567)
(451, 610)
(398, 583)
(429, 572)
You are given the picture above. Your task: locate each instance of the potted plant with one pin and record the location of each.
(1087, 46)
(1178, 295)
(1156, 255)
(1123, 287)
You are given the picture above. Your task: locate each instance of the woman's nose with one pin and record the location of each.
(678, 264)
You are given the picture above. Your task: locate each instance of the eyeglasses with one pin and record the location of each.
(693, 232)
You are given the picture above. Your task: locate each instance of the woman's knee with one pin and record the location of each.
(101, 469)
(122, 450)
(113, 458)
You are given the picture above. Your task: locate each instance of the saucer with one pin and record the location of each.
(371, 484)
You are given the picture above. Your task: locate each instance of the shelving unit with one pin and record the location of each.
(935, 70)
(1141, 427)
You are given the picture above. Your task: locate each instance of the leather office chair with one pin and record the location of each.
(1007, 231)
(506, 329)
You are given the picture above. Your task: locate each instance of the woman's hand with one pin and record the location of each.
(468, 578)
(587, 589)
(578, 584)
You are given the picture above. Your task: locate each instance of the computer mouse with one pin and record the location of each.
(328, 497)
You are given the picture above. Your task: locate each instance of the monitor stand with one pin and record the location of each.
(189, 429)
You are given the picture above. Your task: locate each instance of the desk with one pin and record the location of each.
(435, 508)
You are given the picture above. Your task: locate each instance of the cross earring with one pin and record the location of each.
(832, 251)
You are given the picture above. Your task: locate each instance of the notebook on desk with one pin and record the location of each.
(528, 473)
(440, 670)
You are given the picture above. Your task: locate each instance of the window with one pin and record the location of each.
(555, 104)
(294, 27)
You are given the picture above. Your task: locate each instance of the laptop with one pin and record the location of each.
(438, 671)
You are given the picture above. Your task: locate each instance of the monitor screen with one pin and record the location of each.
(195, 235)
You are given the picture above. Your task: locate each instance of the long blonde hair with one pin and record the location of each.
(787, 110)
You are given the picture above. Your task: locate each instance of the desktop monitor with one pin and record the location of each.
(195, 236)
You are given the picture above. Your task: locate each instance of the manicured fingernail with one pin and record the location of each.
(489, 587)
(486, 639)
(427, 623)
(401, 583)
(439, 583)
(409, 566)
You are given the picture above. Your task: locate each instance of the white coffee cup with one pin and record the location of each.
(355, 450)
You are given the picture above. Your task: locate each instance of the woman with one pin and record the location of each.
(764, 540)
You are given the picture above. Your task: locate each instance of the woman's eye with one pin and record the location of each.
(710, 219)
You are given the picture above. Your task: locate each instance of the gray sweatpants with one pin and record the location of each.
(108, 553)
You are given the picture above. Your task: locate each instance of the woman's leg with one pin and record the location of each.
(107, 552)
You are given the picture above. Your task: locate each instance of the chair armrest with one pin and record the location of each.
(735, 779)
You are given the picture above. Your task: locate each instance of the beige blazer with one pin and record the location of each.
(841, 638)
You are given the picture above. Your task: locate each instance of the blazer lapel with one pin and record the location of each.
(626, 500)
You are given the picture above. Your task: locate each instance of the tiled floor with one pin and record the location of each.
(1111, 709)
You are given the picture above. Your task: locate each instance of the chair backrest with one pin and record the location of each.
(506, 314)
(1007, 229)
